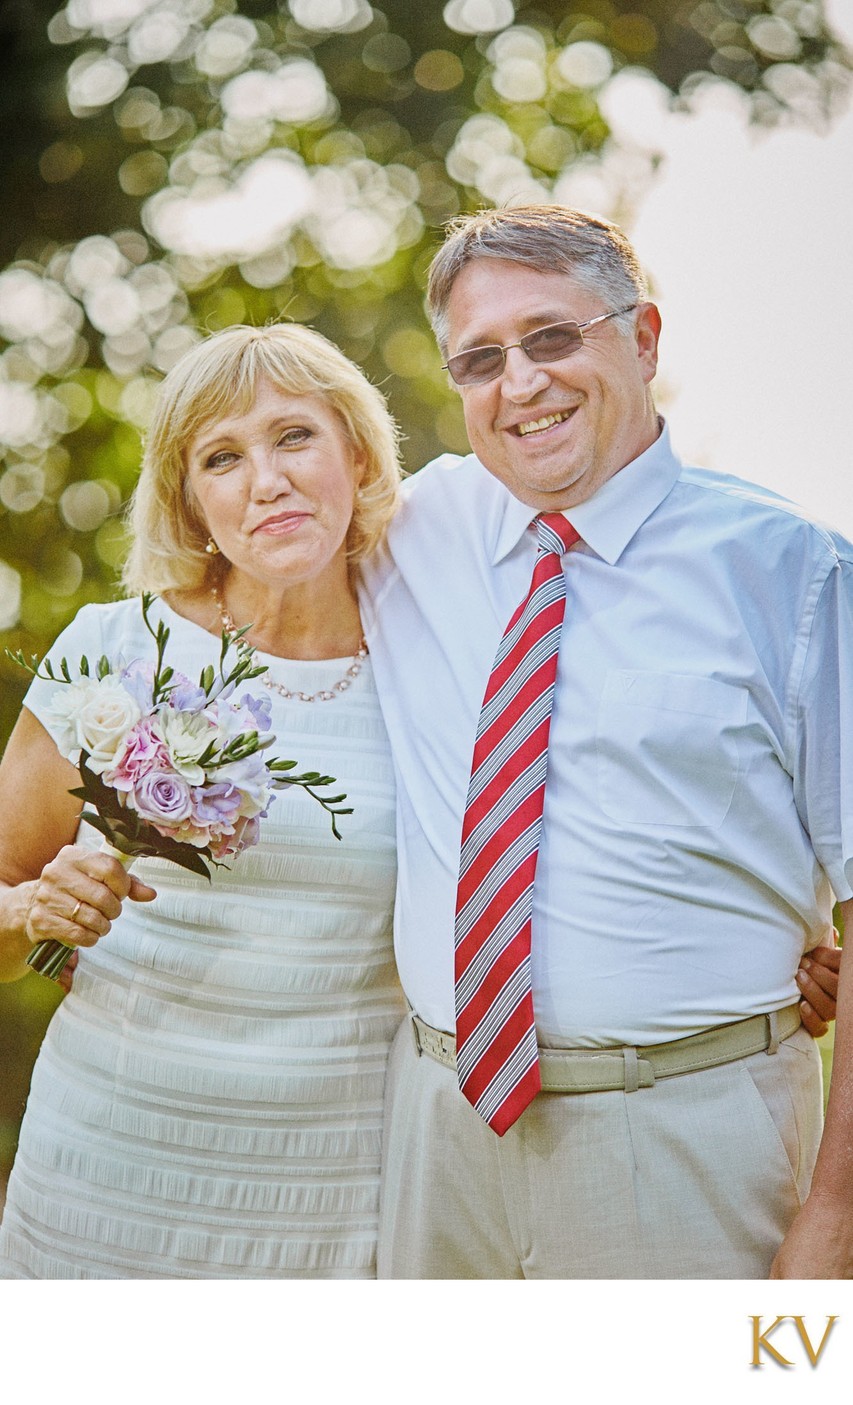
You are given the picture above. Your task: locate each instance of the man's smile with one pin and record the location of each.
(545, 422)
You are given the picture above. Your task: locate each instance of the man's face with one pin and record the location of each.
(599, 394)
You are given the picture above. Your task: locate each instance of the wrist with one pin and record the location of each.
(833, 1202)
(17, 941)
(28, 897)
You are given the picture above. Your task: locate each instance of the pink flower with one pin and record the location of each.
(246, 834)
(187, 833)
(144, 751)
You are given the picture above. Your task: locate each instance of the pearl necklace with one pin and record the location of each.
(323, 694)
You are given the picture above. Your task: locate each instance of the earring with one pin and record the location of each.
(212, 549)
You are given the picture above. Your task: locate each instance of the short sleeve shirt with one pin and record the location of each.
(699, 804)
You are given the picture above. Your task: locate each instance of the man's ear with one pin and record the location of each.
(647, 332)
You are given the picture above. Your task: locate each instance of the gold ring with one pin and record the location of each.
(77, 907)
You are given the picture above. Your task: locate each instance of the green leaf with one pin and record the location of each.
(18, 658)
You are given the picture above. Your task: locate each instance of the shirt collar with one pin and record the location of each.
(611, 517)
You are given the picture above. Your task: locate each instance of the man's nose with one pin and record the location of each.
(522, 378)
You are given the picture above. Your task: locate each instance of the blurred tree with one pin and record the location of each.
(178, 165)
(183, 164)
(174, 166)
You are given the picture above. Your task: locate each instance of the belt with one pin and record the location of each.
(608, 1070)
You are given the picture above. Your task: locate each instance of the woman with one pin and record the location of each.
(207, 1102)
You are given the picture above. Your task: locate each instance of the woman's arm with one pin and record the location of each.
(43, 874)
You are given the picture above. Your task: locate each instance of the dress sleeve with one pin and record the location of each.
(84, 635)
(823, 770)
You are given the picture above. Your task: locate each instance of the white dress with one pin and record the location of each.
(208, 1099)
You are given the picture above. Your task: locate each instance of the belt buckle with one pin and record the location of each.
(438, 1045)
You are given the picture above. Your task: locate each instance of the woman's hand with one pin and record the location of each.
(79, 895)
(817, 979)
(43, 873)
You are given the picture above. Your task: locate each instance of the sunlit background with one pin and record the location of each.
(747, 233)
(174, 166)
(178, 165)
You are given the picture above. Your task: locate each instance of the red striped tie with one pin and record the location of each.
(497, 1057)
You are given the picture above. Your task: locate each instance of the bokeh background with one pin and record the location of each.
(173, 166)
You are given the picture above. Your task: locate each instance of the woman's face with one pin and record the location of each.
(275, 487)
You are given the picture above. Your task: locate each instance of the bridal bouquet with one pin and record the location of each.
(170, 769)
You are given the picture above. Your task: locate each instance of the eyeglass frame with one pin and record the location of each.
(493, 346)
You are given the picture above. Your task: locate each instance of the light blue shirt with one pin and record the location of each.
(699, 803)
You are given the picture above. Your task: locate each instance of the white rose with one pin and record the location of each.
(62, 714)
(187, 736)
(94, 715)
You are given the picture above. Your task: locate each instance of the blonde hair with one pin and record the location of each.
(220, 377)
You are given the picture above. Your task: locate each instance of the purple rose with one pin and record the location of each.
(161, 798)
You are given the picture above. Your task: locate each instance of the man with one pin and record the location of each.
(626, 935)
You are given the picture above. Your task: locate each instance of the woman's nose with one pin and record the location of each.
(269, 475)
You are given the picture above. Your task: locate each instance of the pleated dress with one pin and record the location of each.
(207, 1102)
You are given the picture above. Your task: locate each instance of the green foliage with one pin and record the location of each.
(180, 167)
(25, 1010)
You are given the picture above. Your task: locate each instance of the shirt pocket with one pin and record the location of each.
(668, 748)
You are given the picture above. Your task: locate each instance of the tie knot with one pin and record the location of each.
(555, 533)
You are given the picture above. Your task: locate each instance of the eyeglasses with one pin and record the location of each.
(554, 343)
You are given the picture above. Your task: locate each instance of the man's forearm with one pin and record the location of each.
(834, 1170)
(820, 1241)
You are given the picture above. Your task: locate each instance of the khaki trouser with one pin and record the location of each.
(697, 1177)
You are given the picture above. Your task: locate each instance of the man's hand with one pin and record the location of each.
(818, 982)
(65, 976)
(819, 1243)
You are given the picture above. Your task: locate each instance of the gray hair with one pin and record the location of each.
(551, 238)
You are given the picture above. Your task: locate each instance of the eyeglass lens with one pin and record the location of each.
(483, 363)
